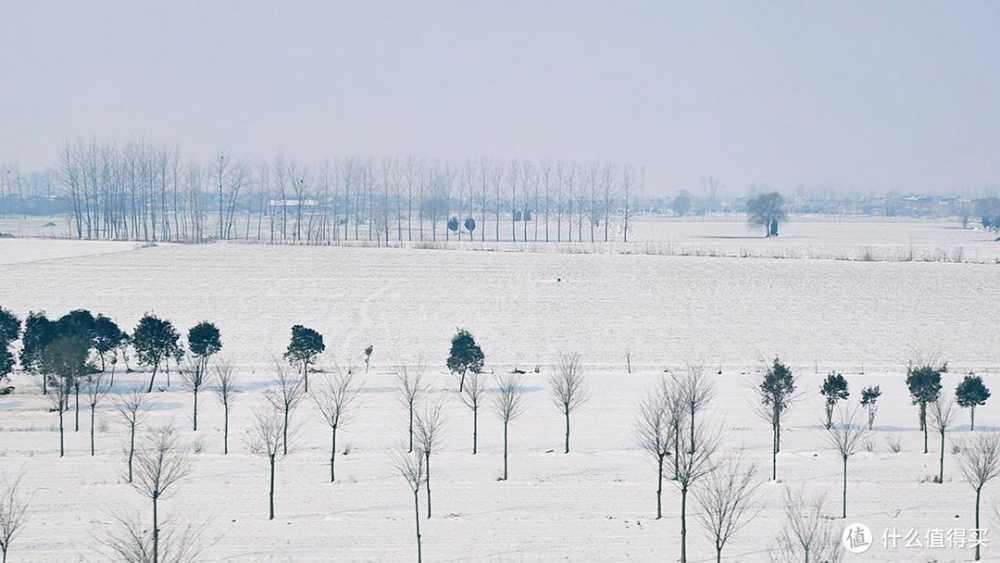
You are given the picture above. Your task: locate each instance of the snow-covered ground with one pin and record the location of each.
(595, 504)
(14, 251)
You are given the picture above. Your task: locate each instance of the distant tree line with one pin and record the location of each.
(140, 191)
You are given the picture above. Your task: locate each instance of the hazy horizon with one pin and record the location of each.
(855, 96)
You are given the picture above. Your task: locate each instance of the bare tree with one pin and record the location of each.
(569, 388)
(980, 462)
(132, 542)
(430, 425)
(943, 414)
(266, 438)
(335, 399)
(225, 390)
(13, 512)
(96, 389)
(508, 404)
(133, 408)
(411, 466)
(728, 501)
(472, 397)
(159, 465)
(846, 436)
(808, 535)
(194, 373)
(411, 387)
(655, 434)
(693, 464)
(58, 398)
(672, 392)
(286, 398)
(696, 392)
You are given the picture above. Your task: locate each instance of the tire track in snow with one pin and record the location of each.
(358, 332)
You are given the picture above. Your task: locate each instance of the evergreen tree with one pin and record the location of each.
(465, 356)
(303, 348)
(924, 383)
(155, 340)
(108, 337)
(971, 393)
(10, 331)
(10, 326)
(39, 332)
(834, 389)
(776, 392)
(869, 400)
(204, 340)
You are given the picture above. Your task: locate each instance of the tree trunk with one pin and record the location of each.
(416, 511)
(692, 428)
(475, 430)
(677, 450)
(196, 410)
(777, 432)
(978, 493)
(941, 467)
(76, 420)
(156, 530)
(505, 450)
(461, 382)
(225, 429)
(131, 450)
(774, 455)
(684, 494)
(411, 428)
(972, 418)
(62, 450)
(566, 451)
(845, 488)
(305, 375)
(92, 409)
(333, 454)
(152, 378)
(659, 487)
(924, 424)
(270, 494)
(284, 434)
(427, 482)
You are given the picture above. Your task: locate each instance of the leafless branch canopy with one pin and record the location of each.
(430, 422)
(728, 500)
(13, 512)
(410, 467)
(980, 459)
(567, 384)
(509, 399)
(225, 384)
(132, 542)
(133, 407)
(336, 396)
(160, 463)
(848, 433)
(266, 430)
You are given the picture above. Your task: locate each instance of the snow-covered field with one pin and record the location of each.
(595, 504)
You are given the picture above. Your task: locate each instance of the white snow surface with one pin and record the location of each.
(594, 504)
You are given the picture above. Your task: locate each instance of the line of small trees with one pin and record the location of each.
(140, 191)
(670, 426)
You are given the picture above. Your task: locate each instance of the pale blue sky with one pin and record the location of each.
(880, 95)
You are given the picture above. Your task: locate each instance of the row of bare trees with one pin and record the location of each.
(140, 191)
(671, 424)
